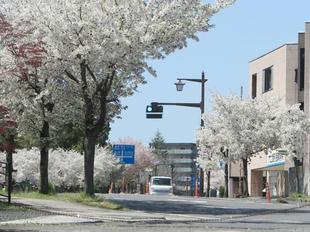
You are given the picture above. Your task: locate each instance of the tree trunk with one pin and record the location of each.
(226, 180)
(240, 181)
(201, 189)
(44, 137)
(9, 160)
(245, 177)
(94, 125)
(208, 183)
(89, 157)
(297, 175)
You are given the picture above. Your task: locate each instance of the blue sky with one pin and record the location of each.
(242, 32)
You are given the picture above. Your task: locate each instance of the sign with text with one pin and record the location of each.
(276, 157)
(124, 153)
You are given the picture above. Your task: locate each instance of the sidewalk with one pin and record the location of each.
(61, 212)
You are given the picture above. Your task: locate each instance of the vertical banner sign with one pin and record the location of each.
(124, 153)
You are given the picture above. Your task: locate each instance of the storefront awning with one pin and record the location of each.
(276, 166)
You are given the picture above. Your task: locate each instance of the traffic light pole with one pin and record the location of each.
(176, 104)
(200, 105)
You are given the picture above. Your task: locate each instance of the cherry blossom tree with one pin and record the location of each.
(251, 126)
(294, 129)
(27, 87)
(105, 164)
(212, 146)
(65, 168)
(144, 159)
(103, 48)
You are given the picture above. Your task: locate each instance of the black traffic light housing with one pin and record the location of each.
(154, 110)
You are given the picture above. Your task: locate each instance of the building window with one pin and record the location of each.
(302, 106)
(267, 79)
(302, 68)
(296, 75)
(254, 85)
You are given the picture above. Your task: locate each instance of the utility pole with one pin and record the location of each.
(154, 111)
(240, 163)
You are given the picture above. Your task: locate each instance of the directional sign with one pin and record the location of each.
(125, 153)
(193, 182)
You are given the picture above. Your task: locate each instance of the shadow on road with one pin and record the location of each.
(189, 208)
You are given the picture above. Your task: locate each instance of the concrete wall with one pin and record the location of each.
(255, 185)
(307, 108)
(301, 44)
(291, 92)
(236, 169)
(307, 68)
(283, 61)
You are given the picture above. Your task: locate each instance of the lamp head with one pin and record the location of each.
(179, 85)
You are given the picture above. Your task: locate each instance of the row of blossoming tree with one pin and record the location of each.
(72, 61)
(65, 169)
(238, 129)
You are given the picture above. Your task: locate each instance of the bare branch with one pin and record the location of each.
(72, 77)
(91, 73)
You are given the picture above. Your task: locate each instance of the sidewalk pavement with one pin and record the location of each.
(61, 212)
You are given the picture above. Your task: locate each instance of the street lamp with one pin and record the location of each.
(153, 110)
(179, 85)
(201, 105)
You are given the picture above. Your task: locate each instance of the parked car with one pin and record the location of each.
(161, 185)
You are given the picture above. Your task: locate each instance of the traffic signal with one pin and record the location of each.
(154, 111)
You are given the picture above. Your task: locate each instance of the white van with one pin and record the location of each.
(161, 185)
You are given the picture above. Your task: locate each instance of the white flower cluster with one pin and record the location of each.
(246, 127)
(65, 167)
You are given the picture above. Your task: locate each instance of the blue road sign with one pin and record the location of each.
(193, 182)
(125, 153)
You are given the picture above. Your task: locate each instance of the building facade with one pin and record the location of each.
(181, 166)
(282, 72)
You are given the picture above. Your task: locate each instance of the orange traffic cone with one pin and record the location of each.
(197, 195)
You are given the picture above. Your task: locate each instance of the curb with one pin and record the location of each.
(151, 220)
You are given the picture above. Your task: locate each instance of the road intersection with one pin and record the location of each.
(170, 212)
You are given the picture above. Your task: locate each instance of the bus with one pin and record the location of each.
(161, 185)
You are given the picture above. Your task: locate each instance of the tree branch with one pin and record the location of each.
(91, 73)
(72, 77)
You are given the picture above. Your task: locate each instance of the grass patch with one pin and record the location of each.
(299, 197)
(3, 191)
(5, 205)
(282, 201)
(35, 195)
(81, 198)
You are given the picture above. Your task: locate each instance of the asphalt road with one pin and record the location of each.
(182, 214)
(223, 208)
(225, 214)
